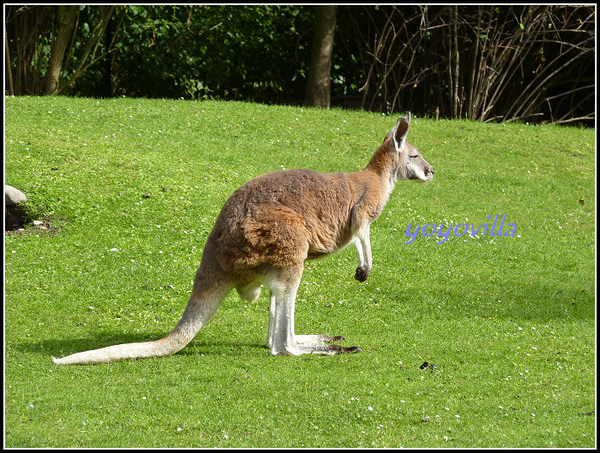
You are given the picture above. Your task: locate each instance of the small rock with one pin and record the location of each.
(12, 196)
(37, 222)
(428, 365)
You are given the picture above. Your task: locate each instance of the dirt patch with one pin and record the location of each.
(17, 221)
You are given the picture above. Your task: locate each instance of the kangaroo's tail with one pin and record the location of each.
(202, 305)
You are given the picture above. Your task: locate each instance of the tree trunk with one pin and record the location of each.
(66, 16)
(319, 76)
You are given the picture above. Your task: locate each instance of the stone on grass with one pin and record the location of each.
(12, 196)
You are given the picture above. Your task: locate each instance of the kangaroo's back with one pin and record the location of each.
(318, 204)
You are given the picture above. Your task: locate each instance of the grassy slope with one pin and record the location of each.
(508, 321)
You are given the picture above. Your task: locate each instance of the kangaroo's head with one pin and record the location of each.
(409, 163)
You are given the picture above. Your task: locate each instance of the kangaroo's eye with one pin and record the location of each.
(413, 157)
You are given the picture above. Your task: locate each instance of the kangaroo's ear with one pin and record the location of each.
(399, 132)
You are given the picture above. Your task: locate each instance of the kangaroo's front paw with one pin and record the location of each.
(361, 274)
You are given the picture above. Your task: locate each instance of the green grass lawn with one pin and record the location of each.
(132, 188)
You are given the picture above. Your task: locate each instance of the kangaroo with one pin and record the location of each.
(265, 232)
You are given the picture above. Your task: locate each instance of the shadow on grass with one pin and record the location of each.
(513, 300)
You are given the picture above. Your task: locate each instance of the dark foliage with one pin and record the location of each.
(487, 63)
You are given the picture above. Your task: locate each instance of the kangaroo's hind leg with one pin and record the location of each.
(283, 284)
(280, 243)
